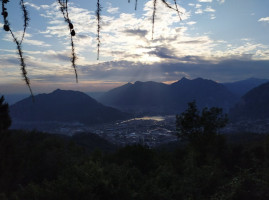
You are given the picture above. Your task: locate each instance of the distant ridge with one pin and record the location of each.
(240, 88)
(253, 105)
(64, 106)
(158, 98)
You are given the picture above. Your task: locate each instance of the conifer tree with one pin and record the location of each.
(5, 120)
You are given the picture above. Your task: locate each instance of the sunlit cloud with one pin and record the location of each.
(32, 5)
(205, 1)
(191, 23)
(27, 39)
(111, 9)
(265, 19)
(209, 9)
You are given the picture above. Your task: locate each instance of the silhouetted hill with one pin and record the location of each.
(253, 105)
(64, 106)
(206, 93)
(140, 97)
(240, 88)
(159, 98)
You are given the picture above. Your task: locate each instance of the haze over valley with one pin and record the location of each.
(143, 111)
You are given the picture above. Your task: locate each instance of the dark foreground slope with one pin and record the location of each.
(40, 166)
(64, 106)
(254, 105)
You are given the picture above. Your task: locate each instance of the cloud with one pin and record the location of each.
(209, 9)
(136, 32)
(199, 11)
(265, 19)
(27, 39)
(212, 16)
(191, 23)
(221, 1)
(112, 10)
(205, 1)
(32, 5)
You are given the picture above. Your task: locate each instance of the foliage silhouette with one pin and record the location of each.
(194, 127)
(5, 120)
(41, 166)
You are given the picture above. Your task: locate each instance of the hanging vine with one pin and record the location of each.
(98, 16)
(18, 43)
(64, 9)
(25, 17)
(168, 6)
(153, 17)
(178, 12)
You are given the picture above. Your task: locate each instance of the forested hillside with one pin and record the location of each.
(40, 166)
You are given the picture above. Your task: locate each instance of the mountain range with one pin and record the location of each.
(145, 98)
(64, 106)
(158, 98)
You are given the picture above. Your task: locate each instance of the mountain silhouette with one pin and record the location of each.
(64, 106)
(253, 105)
(240, 88)
(158, 98)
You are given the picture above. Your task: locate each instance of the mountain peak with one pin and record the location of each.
(184, 79)
(64, 106)
(138, 82)
(57, 90)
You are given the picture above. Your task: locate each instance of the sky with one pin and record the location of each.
(221, 40)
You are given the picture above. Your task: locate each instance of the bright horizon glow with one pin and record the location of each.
(216, 39)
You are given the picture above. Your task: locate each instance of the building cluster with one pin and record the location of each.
(146, 131)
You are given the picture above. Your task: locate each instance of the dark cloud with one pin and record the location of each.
(138, 32)
(54, 78)
(82, 36)
(124, 71)
(58, 56)
(9, 61)
(163, 52)
(198, 41)
(226, 70)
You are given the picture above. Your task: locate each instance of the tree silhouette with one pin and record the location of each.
(5, 120)
(64, 10)
(196, 127)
